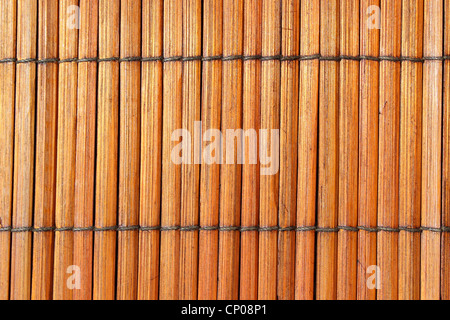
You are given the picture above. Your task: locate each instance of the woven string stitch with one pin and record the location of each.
(230, 58)
(226, 228)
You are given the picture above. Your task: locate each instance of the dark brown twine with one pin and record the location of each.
(229, 58)
(226, 229)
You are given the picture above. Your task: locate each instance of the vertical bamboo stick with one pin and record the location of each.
(190, 172)
(288, 148)
(251, 170)
(151, 142)
(171, 172)
(410, 150)
(328, 152)
(107, 151)
(307, 149)
(230, 175)
(24, 150)
(45, 182)
(65, 153)
(66, 144)
(129, 149)
(431, 150)
(7, 74)
(270, 120)
(389, 140)
(445, 244)
(348, 150)
(210, 173)
(368, 146)
(85, 149)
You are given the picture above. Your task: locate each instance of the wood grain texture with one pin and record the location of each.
(328, 159)
(368, 149)
(129, 149)
(445, 240)
(24, 139)
(389, 149)
(190, 172)
(270, 120)
(151, 149)
(307, 149)
(171, 172)
(106, 189)
(65, 154)
(290, 45)
(210, 174)
(431, 151)
(85, 148)
(251, 122)
(410, 150)
(230, 171)
(348, 150)
(224, 149)
(46, 149)
(8, 37)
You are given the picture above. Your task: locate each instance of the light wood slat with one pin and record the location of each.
(24, 139)
(46, 149)
(210, 173)
(8, 37)
(106, 189)
(410, 150)
(151, 146)
(389, 149)
(85, 148)
(190, 173)
(307, 149)
(368, 148)
(328, 159)
(270, 120)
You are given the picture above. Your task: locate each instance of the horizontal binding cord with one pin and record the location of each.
(225, 228)
(229, 58)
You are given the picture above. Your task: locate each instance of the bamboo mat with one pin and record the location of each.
(337, 186)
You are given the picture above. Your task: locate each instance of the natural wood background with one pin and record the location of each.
(88, 187)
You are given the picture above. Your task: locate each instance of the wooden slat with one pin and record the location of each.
(24, 138)
(85, 149)
(46, 125)
(151, 137)
(270, 120)
(210, 173)
(106, 188)
(129, 148)
(230, 173)
(410, 150)
(7, 74)
(290, 45)
(445, 242)
(431, 151)
(348, 150)
(65, 153)
(171, 172)
(328, 161)
(190, 173)
(307, 149)
(253, 148)
(368, 147)
(389, 149)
